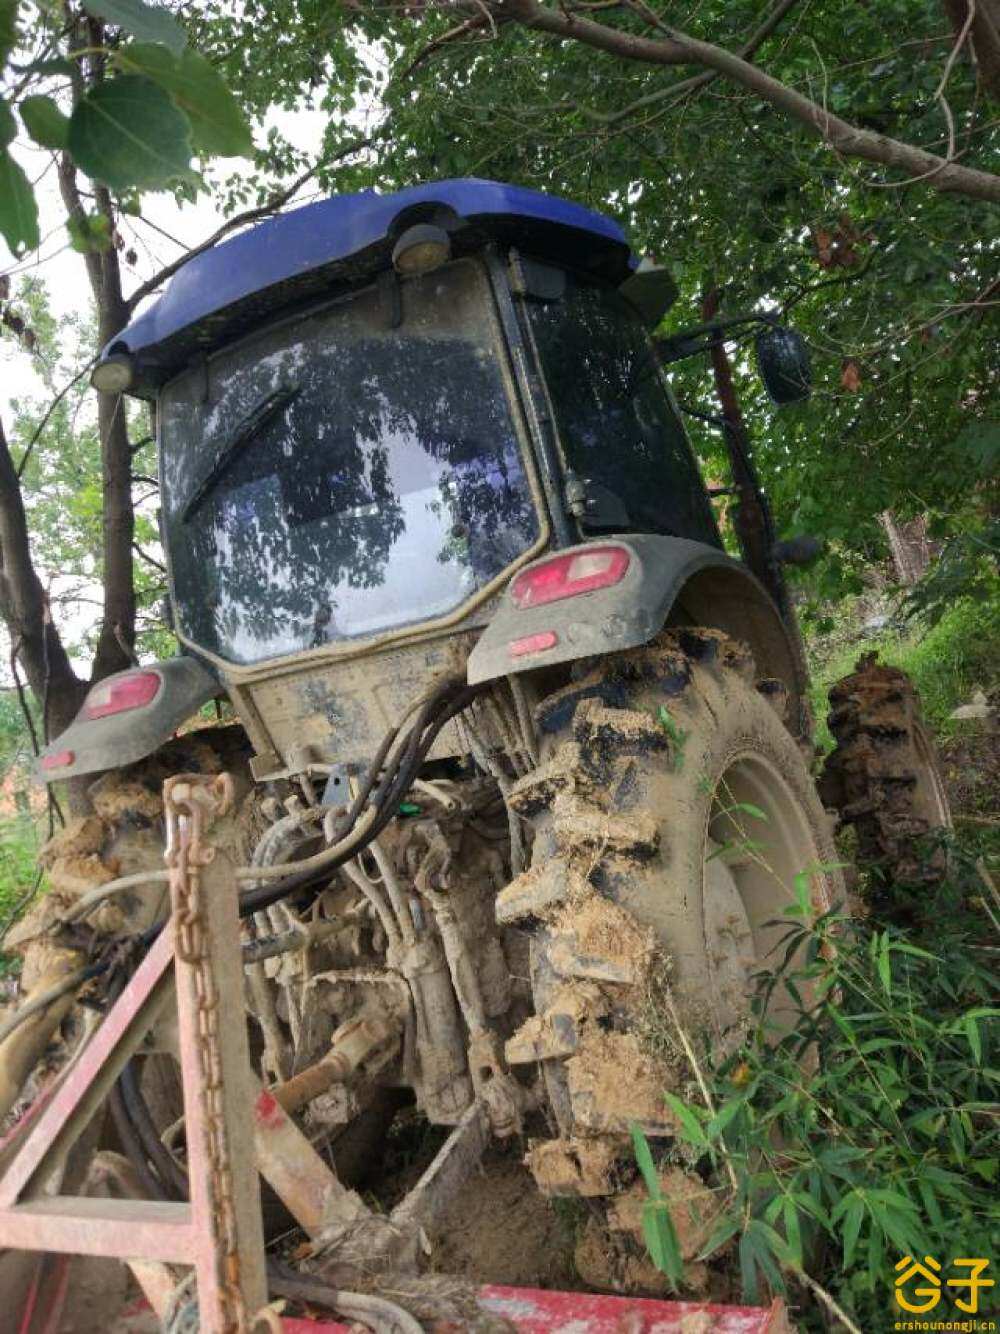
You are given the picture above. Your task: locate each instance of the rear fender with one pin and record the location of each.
(669, 579)
(89, 745)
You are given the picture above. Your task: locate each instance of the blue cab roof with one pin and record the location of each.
(341, 241)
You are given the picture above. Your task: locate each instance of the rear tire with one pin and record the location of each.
(883, 777)
(673, 814)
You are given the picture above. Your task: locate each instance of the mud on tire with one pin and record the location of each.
(883, 777)
(672, 813)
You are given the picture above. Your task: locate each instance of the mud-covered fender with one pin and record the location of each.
(668, 578)
(90, 744)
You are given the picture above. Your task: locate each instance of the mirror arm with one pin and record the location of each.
(703, 337)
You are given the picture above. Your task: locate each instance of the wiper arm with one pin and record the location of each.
(243, 434)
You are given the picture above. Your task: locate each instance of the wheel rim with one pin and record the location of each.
(758, 840)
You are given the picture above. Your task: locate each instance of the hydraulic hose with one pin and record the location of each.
(405, 756)
(377, 1312)
(169, 1171)
(385, 798)
(355, 825)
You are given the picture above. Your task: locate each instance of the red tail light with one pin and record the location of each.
(570, 575)
(118, 694)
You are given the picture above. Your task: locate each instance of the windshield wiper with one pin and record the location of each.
(243, 434)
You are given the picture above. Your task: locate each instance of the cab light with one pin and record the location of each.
(545, 639)
(118, 694)
(62, 759)
(570, 575)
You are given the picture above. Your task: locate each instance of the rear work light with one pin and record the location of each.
(570, 575)
(120, 693)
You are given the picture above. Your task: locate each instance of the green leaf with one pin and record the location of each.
(885, 964)
(57, 65)
(147, 22)
(974, 1041)
(803, 894)
(727, 1228)
(904, 948)
(89, 232)
(691, 1127)
(770, 1246)
(43, 120)
(18, 209)
(217, 123)
(793, 1232)
(930, 1203)
(8, 29)
(661, 1241)
(748, 1269)
(8, 125)
(644, 1158)
(723, 1117)
(127, 132)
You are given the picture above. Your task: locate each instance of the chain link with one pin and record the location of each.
(191, 800)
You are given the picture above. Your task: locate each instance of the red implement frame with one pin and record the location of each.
(533, 1311)
(152, 1230)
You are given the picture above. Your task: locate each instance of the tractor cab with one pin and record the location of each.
(372, 413)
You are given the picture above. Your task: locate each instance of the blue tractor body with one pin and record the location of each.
(374, 413)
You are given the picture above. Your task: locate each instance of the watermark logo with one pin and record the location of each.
(919, 1288)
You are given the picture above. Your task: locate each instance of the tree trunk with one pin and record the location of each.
(984, 37)
(24, 607)
(116, 643)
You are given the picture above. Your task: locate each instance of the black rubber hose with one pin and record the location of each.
(387, 798)
(447, 688)
(169, 1170)
(264, 895)
(124, 1125)
(131, 1146)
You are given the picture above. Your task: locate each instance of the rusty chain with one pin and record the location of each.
(190, 802)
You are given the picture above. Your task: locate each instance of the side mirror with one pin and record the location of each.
(783, 363)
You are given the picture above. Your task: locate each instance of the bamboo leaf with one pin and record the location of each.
(644, 1159)
(885, 964)
(793, 1232)
(661, 1241)
(691, 1127)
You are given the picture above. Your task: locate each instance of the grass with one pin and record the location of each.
(890, 1146)
(20, 839)
(948, 661)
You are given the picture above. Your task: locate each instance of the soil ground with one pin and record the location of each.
(499, 1229)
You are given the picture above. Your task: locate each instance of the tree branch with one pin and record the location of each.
(48, 413)
(275, 203)
(677, 48)
(699, 81)
(150, 560)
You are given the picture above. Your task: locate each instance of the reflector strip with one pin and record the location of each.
(539, 643)
(62, 759)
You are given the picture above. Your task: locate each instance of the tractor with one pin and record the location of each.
(522, 754)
